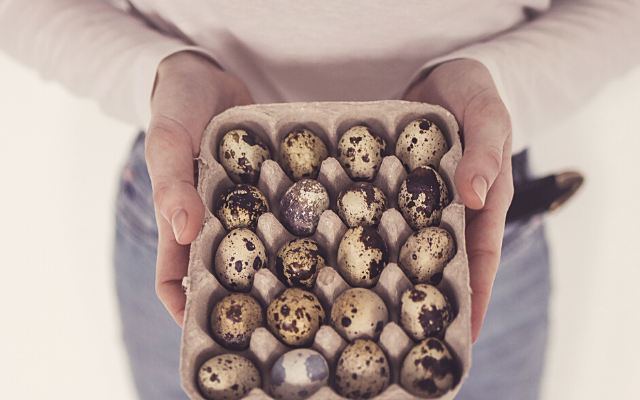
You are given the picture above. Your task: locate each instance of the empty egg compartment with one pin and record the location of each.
(329, 121)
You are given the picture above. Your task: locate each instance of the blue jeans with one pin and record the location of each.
(507, 358)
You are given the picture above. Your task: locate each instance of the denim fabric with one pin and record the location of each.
(507, 358)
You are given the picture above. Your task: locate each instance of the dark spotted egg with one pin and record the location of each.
(298, 263)
(359, 314)
(362, 255)
(298, 374)
(425, 253)
(238, 257)
(421, 143)
(360, 152)
(422, 197)
(301, 154)
(240, 206)
(233, 320)
(424, 312)
(362, 371)
(228, 377)
(295, 316)
(428, 370)
(241, 154)
(361, 204)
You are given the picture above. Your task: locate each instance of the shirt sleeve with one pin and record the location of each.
(93, 48)
(546, 68)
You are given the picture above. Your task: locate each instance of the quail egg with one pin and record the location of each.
(428, 370)
(240, 206)
(360, 152)
(295, 316)
(233, 320)
(425, 254)
(228, 377)
(298, 374)
(424, 312)
(298, 263)
(238, 257)
(421, 143)
(302, 205)
(362, 255)
(359, 314)
(422, 197)
(301, 154)
(361, 204)
(241, 154)
(362, 371)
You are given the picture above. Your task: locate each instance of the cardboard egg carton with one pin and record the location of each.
(329, 121)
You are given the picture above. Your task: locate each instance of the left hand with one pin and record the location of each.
(483, 177)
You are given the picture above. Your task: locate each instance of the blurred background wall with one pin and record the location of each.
(59, 164)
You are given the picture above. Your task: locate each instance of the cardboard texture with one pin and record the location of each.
(329, 121)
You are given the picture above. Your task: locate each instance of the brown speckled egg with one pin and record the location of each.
(298, 263)
(295, 316)
(233, 320)
(238, 257)
(362, 371)
(301, 154)
(228, 377)
(241, 154)
(361, 204)
(240, 206)
(424, 312)
(302, 205)
(421, 143)
(428, 370)
(359, 314)
(362, 255)
(422, 197)
(360, 152)
(425, 253)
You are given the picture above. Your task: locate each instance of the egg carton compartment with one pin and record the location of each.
(329, 121)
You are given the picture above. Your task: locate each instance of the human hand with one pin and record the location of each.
(483, 176)
(188, 92)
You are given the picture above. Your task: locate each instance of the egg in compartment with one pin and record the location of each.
(302, 205)
(361, 204)
(425, 253)
(238, 257)
(362, 371)
(240, 206)
(429, 370)
(295, 316)
(228, 377)
(241, 154)
(422, 197)
(234, 319)
(359, 314)
(421, 143)
(424, 312)
(298, 374)
(362, 255)
(301, 154)
(298, 263)
(360, 152)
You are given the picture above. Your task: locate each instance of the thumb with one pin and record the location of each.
(486, 129)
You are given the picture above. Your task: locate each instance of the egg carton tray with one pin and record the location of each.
(328, 120)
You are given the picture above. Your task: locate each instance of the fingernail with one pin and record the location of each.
(479, 186)
(178, 222)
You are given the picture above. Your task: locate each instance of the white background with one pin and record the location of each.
(59, 163)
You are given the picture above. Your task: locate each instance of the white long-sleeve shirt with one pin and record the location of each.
(545, 58)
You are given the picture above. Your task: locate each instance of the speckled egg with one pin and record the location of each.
(295, 316)
(233, 320)
(360, 152)
(362, 371)
(421, 143)
(359, 314)
(298, 374)
(361, 204)
(238, 257)
(302, 205)
(240, 206)
(241, 154)
(362, 255)
(301, 154)
(422, 197)
(428, 370)
(425, 253)
(424, 312)
(298, 263)
(228, 377)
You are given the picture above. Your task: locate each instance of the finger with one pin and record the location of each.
(171, 267)
(486, 127)
(485, 230)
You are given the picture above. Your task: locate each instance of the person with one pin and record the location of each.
(504, 69)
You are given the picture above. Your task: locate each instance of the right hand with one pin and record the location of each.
(189, 91)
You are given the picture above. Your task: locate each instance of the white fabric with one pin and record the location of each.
(545, 59)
